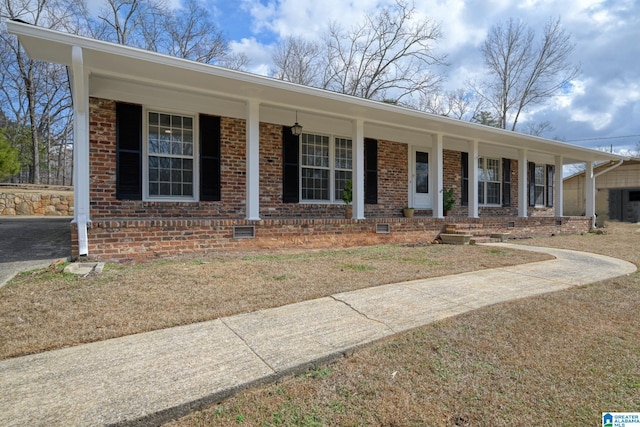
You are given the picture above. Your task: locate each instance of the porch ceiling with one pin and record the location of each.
(134, 66)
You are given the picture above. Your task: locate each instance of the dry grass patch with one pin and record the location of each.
(43, 310)
(557, 359)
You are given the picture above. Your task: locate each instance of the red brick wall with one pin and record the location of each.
(104, 204)
(143, 239)
(452, 177)
(125, 229)
(393, 192)
(392, 162)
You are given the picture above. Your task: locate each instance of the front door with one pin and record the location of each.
(420, 180)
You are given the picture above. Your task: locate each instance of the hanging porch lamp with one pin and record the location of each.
(297, 128)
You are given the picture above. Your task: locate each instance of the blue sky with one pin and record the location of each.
(601, 110)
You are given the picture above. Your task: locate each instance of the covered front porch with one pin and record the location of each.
(173, 157)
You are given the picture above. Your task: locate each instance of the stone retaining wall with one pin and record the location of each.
(36, 200)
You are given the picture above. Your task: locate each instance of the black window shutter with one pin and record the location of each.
(550, 177)
(290, 167)
(370, 171)
(128, 152)
(532, 184)
(464, 164)
(506, 182)
(210, 183)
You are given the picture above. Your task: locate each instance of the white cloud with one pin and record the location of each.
(605, 33)
(258, 54)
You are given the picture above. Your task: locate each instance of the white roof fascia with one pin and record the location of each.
(126, 63)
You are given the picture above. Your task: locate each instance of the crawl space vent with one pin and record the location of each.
(383, 229)
(244, 232)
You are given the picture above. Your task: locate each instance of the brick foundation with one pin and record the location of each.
(144, 239)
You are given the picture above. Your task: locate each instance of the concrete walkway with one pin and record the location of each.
(149, 378)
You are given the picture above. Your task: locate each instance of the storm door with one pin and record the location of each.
(420, 180)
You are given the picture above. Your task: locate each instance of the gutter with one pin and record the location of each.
(593, 183)
(620, 162)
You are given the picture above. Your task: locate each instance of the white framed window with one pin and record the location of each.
(489, 181)
(326, 165)
(540, 185)
(170, 166)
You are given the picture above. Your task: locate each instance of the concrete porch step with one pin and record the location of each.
(478, 240)
(463, 228)
(455, 238)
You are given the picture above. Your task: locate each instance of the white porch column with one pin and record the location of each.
(438, 181)
(558, 184)
(357, 175)
(253, 161)
(473, 179)
(80, 92)
(590, 193)
(523, 184)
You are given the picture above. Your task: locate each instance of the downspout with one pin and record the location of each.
(593, 192)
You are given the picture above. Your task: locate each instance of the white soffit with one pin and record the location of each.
(196, 81)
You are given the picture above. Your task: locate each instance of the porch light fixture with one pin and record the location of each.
(296, 129)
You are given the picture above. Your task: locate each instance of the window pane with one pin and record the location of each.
(493, 193)
(176, 189)
(165, 120)
(315, 184)
(539, 175)
(154, 189)
(171, 170)
(343, 154)
(489, 181)
(165, 189)
(540, 182)
(422, 172)
(493, 170)
(165, 175)
(187, 136)
(341, 178)
(539, 195)
(315, 149)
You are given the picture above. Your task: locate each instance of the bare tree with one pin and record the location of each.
(297, 60)
(234, 61)
(458, 104)
(128, 22)
(538, 128)
(186, 32)
(34, 93)
(388, 56)
(521, 72)
(192, 35)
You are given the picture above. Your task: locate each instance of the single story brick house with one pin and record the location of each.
(173, 156)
